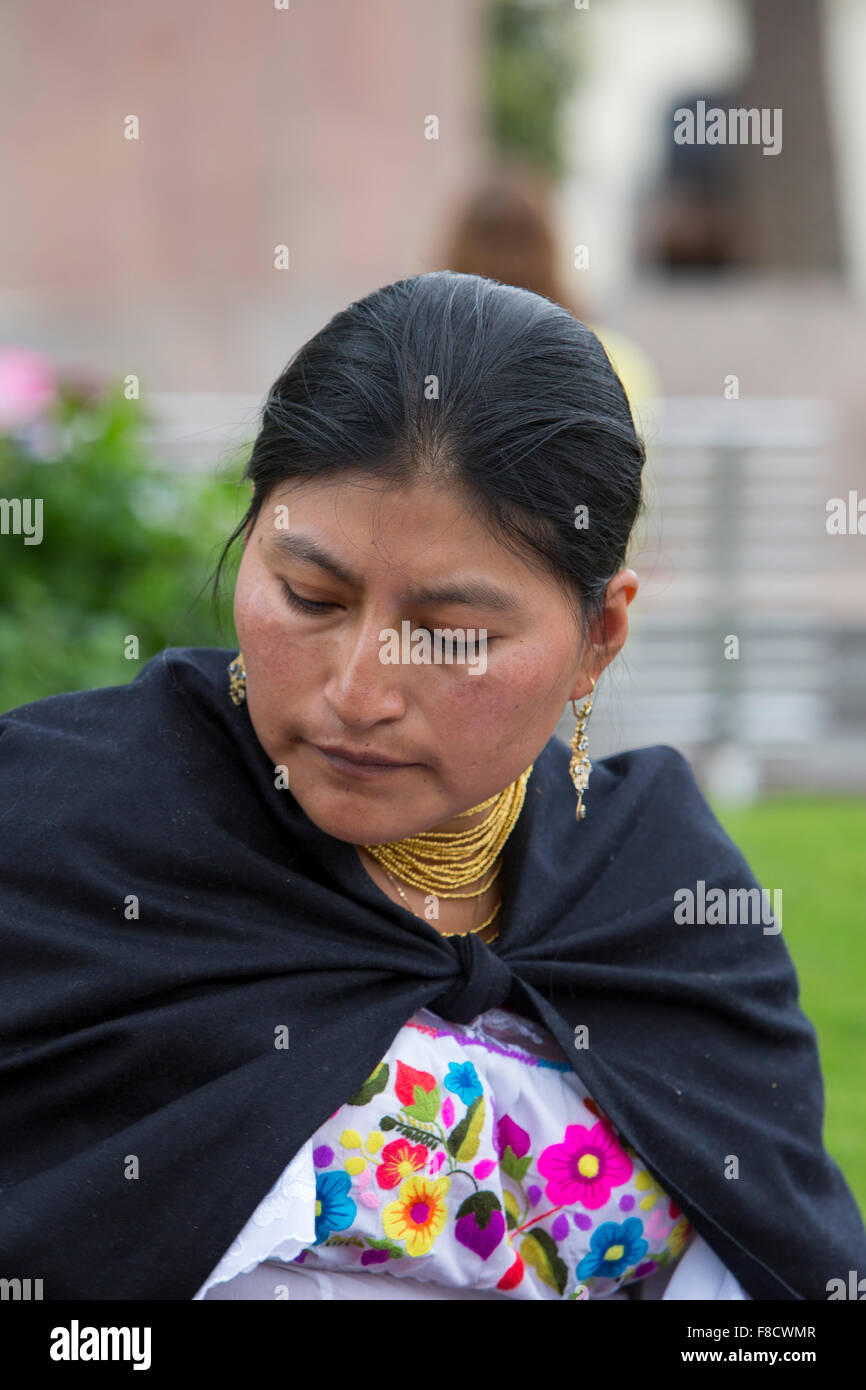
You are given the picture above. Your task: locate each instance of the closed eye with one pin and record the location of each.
(313, 606)
(303, 605)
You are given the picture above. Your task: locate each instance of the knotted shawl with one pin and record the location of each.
(194, 977)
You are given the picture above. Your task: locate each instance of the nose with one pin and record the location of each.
(363, 689)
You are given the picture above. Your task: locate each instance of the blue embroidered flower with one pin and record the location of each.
(462, 1079)
(335, 1209)
(613, 1249)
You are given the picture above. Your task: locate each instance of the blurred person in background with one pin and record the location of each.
(505, 230)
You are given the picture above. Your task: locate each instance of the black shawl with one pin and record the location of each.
(145, 1108)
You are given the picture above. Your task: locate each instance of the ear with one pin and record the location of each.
(608, 633)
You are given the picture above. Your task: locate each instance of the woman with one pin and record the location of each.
(334, 975)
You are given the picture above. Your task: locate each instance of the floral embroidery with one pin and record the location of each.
(646, 1182)
(480, 1224)
(407, 1079)
(368, 1199)
(419, 1214)
(585, 1166)
(351, 1139)
(613, 1248)
(442, 1171)
(400, 1160)
(335, 1209)
(679, 1235)
(513, 1275)
(462, 1079)
(509, 1135)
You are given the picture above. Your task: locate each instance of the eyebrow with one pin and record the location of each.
(477, 592)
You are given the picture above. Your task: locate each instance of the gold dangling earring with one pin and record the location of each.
(238, 679)
(580, 767)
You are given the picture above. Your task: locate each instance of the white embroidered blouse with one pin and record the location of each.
(472, 1163)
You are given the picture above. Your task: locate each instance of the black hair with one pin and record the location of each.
(481, 385)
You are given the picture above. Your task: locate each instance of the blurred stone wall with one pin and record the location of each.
(258, 127)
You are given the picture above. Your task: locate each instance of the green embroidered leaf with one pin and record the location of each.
(413, 1132)
(512, 1165)
(539, 1250)
(375, 1083)
(425, 1105)
(512, 1210)
(481, 1205)
(469, 1147)
(394, 1251)
(463, 1140)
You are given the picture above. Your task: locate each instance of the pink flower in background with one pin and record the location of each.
(27, 384)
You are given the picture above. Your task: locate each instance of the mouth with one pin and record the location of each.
(359, 765)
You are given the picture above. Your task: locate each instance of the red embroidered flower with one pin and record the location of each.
(400, 1160)
(407, 1079)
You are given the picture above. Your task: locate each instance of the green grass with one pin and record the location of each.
(814, 849)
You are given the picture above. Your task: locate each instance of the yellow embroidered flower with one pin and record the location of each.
(418, 1216)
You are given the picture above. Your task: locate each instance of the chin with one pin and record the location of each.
(340, 822)
(354, 824)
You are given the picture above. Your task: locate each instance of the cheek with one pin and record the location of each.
(270, 652)
(517, 691)
(259, 613)
(247, 602)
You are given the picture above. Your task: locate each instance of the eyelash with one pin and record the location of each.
(303, 605)
(311, 606)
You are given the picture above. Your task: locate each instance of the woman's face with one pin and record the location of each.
(372, 559)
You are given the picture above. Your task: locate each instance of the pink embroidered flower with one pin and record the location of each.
(509, 1134)
(585, 1166)
(448, 1113)
(400, 1160)
(436, 1162)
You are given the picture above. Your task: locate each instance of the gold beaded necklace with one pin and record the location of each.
(438, 860)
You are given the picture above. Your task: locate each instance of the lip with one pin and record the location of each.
(356, 765)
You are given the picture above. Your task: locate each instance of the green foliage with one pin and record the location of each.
(125, 550)
(812, 849)
(530, 66)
